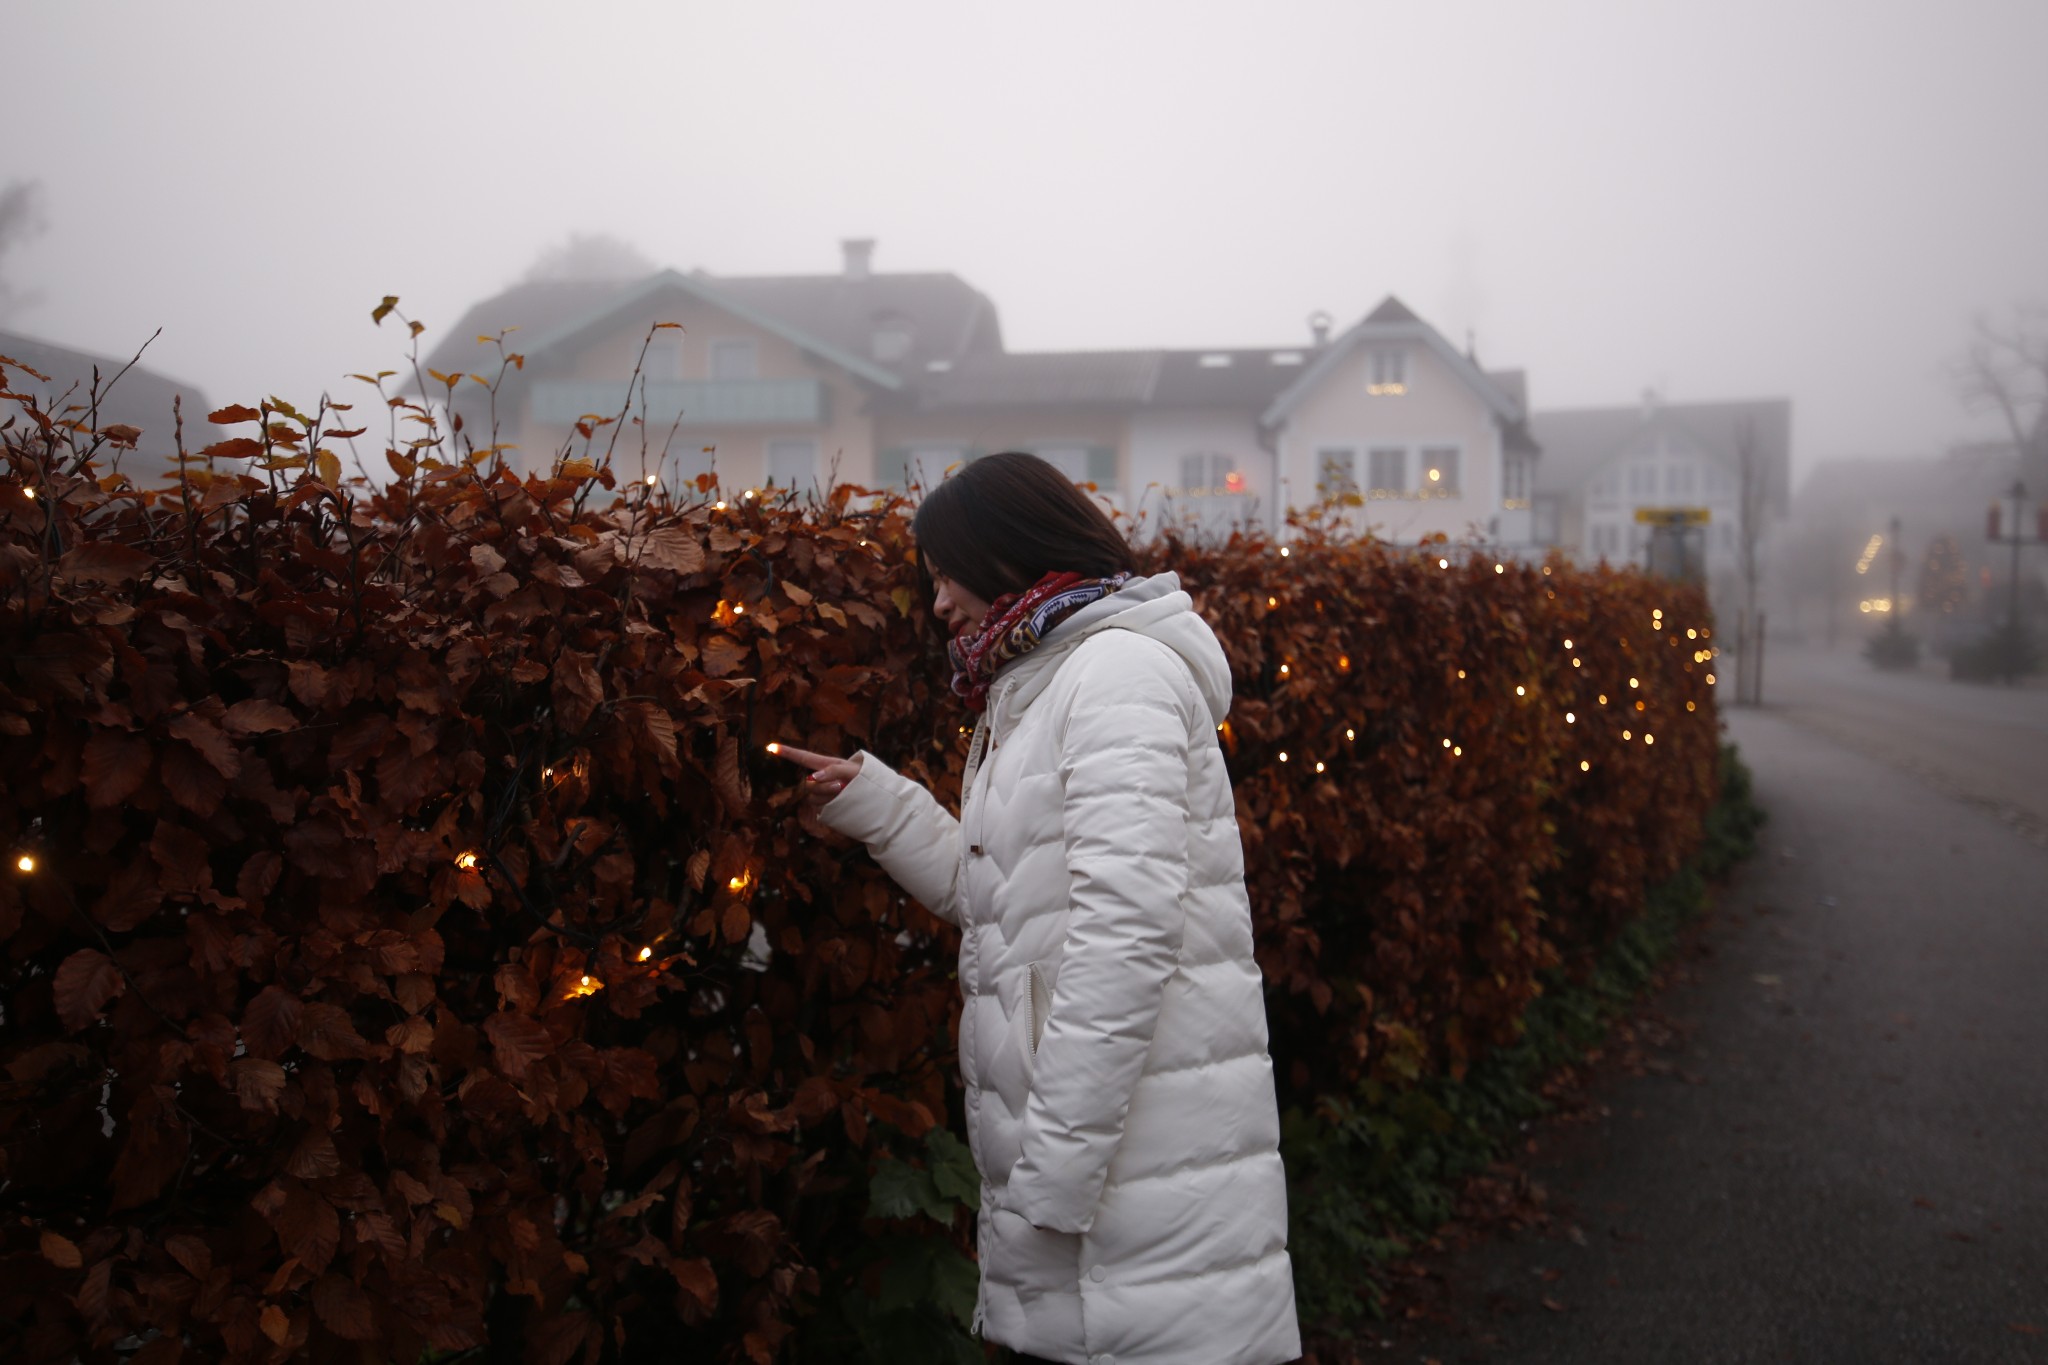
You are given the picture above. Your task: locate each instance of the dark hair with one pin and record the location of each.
(1005, 521)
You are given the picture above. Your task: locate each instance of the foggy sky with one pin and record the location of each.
(1718, 198)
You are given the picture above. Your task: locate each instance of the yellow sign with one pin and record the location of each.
(1673, 516)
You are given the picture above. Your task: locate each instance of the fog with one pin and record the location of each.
(1804, 200)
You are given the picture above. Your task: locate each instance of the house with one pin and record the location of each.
(887, 380)
(141, 398)
(1601, 466)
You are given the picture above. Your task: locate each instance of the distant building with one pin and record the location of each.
(1601, 465)
(886, 379)
(142, 398)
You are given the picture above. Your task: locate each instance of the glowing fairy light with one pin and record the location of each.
(1575, 663)
(1350, 735)
(718, 506)
(1584, 766)
(1520, 690)
(646, 953)
(29, 493)
(1633, 683)
(653, 479)
(1457, 751)
(1649, 738)
(1603, 699)
(774, 748)
(1272, 602)
(1710, 680)
(1626, 736)
(1283, 755)
(1343, 663)
(1639, 706)
(1461, 673)
(1567, 646)
(1689, 706)
(1283, 552)
(466, 862)
(1691, 634)
(1443, 563)
(1283, 670)
(1500, 568)
(25, 864)
(738, 883)
(739, 609)
(1319, 767)
(1447, 743)
(1571, 718)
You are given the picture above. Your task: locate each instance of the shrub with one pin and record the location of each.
(1893, 648)
(2006, 653)
(413, 957)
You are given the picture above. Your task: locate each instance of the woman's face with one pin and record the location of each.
(955, 605)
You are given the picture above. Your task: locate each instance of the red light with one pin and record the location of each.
(1233, 482)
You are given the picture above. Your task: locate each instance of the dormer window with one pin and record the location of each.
(892, 339)
(1286, 357)
(1389, 373)
(1215, 360)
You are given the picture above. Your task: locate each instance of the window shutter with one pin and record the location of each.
(1102, 466)
(892, 468)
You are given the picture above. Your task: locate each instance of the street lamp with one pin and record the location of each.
(2018, 540)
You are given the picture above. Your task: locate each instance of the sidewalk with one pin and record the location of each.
(1849, 1161)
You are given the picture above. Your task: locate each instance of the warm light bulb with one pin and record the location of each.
(739, 609)
(1283, 755)
(1520, 691)
(1461, 672)
(736, 884)
(1691, 634)
(466, 861)
(29, 493)
(1457, 751)
(1633, 683)
(1443, 563)
(1710, 680)
(1657, 612)
(1447, 743)
(1649, 738)
(1625, 735)
(1272, 602)
(1283, 670)
(1689, 706)
(546, 774)
(646, 953)
(1319, 767)
(718, 506)
(1571, 718)
(1500, 568)
(1567, 644)
(25, 863)
(1603, 699)
(1283, 552)
(774, 748)
(1584, 766)
(1575, 663)
(1351, 734)
(584, 982)
(1344, 661)
(653, 479)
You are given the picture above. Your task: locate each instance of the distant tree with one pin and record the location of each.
(2006, 371)
(1942, 585)
(20, 219)
(591, 256)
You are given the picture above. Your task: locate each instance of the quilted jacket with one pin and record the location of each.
(1120, 1101)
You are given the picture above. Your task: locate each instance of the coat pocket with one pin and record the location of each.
(1038, 1002)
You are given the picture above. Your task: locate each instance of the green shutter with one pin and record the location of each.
(892, 467)
(1102, 466)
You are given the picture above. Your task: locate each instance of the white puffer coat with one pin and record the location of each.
(1120, 1101)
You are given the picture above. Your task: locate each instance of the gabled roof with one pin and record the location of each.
(141, 399)
(831, 316)
(1391, 321)
(1123, 379)
(1579, 442)
(701, 288)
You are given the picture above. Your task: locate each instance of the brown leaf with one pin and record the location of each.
(327, 1032)
(258, 1083)
(519, 1041)
(237, 412)
(270, 1024)
(112, 766)
(723, 654)
(84, 983)
(131, 897)
(257, 716)
(345, 1308)
(675, 548)
(105, 562)
(698, 1284)
(274, 1323)
(60, 1251)
(578, 689)
(183, 856)
(314, 1158)
(207, 738)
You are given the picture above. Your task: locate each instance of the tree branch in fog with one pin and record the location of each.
(590, 256)
(20, 219)
(2007, 369)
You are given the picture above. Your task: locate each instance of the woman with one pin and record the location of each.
(1119, 1097)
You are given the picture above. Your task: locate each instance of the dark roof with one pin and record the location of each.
(1392, 309)
(1578, 442)
(1043, 379)
(946, 317)
(141, 399)
(1251, 380)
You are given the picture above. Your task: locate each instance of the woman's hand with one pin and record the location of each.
(828, 776)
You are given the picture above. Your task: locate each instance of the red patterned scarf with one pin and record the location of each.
(1015, 623)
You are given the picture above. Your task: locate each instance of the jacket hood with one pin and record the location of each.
(1155, 606)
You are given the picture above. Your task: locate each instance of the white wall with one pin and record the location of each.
(1160, 440)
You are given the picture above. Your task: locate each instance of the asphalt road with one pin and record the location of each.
(1848, 1160)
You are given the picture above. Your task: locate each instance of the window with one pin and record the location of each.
(1441, 477)
(1071, 461)
(792, 463)
(1514, 491)
(1215, 361)
(663, 363)
(1389, 373)
(1387, 472)
(734, 359)
(1208, 475)
(1678, 481)
(1286, 357)
(1337, 472)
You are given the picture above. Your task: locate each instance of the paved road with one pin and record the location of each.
(1849, 1162)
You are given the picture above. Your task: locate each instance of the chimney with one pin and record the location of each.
(1319, 327)
(860, 257)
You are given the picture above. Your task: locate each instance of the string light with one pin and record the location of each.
(1350, 734)
(1710, 680)
(547, 774)
(646, 953)
(1567, 645)
(1626, 736)
(718, 506)
(1319, 767)
(1443, 563)
(1570, 718)
(1519, 690)
(1689, 706)
(29, 493)
(774, 748)
(1283, 755)
(1575, 663)
(1283, 552)
(1639, 706)
(739, 609)
(1633, 683)
(1457, 751)
(653, 479)
(1500, 568)
(1584, 766)
(1283, 670)
(738, 883)
(1272, 602)
(1691, 634)
(1447, 743)
(25, 863)
(1343, 663)
(1649, 738)
(1461, 673)
(1603, 699)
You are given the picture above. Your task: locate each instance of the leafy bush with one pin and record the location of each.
(408, 957)
(2006, 653)
(1893, 648)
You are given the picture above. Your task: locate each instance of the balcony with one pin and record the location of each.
(698, 403)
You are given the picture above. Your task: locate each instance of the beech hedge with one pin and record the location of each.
(410, 953)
